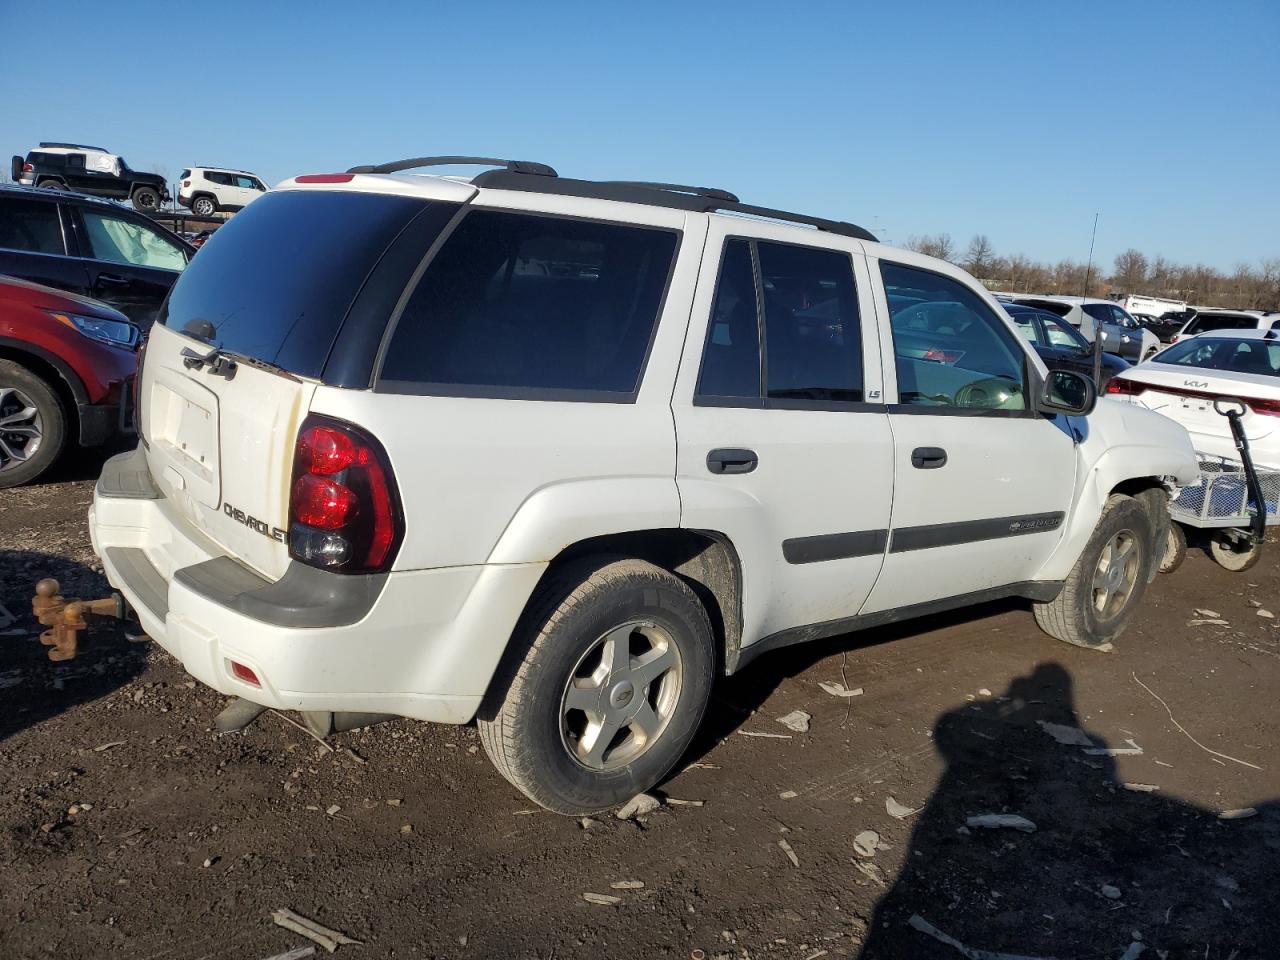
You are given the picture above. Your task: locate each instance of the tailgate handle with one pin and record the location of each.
(732, 460)
(928, 458)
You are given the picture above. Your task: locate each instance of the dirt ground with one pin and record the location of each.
(130, 830)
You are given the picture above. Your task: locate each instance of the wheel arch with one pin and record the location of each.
(705, 560)
(55, 371)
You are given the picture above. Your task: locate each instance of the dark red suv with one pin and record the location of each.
(66, 369)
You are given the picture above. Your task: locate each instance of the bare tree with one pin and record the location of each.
(1130, 272)
(939, 245)
(980, 256)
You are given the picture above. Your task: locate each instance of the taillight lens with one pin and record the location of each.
(28, 168)
(185, 184)
(1270, 408)
(344, 510)
(1126, 388)
(136, 389)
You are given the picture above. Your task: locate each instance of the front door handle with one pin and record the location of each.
(112, 280)
(732, 460)
(928, 458)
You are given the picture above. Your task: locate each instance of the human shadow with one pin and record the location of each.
(33, 688)
(1105, 866)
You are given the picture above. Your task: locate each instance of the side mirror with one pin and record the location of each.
(1069, 393)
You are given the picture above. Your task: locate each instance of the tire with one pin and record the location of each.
(579, 616)
(1175, 549)
(1073, 616)
(203, 207)
(45, 429)
(52, 185)
(1150, 353)
(146, 199)
(1228, 555)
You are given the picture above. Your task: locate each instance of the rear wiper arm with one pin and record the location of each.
(220, 364)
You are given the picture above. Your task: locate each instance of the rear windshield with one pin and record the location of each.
(1221, 321)
(275, 282)
(1261, 357)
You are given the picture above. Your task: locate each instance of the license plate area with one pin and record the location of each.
(182, 427)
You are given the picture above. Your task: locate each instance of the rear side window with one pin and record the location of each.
(30, 225)
(184, 175)
(529, 306)
(276, 280)
(807, 307)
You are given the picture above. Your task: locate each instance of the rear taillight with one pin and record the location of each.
(185, 184)
(1125, 388)
(28, 168)
(1270, 408)
(344, 510)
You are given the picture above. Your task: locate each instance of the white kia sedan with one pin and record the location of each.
(1183, 380)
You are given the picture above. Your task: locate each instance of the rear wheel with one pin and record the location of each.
(603, 687)
(53, 185)
(1236, 554)
(33, 425)
(146, 199)
(1104, 588)
(203, 207)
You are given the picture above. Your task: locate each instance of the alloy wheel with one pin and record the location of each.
(21, 428)
(1116, 575)
(621, 696)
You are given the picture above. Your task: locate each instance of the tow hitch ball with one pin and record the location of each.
(65, 616)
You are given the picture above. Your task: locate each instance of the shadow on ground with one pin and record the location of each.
(1106, 866)
(32, 688)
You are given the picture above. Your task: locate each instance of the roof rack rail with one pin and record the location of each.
(711, 193)
(840, 227)
(72, 146)
(528, 167)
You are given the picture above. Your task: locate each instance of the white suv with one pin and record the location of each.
(552, 454)
(208, 190)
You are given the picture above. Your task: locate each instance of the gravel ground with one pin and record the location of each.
(131, 830)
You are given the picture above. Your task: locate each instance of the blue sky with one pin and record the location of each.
(1018, 120)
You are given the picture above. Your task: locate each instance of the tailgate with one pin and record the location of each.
(222, 449)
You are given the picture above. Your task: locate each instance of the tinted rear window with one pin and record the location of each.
(1211, 321)
(1259, 357)
(276, 281)
(519, 305)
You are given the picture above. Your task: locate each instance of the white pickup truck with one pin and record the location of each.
(552, 454)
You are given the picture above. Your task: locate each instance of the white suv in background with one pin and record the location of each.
(209, 190)
(551, 454)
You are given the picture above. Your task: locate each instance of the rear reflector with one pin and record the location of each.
(241, 672)
(325, 178)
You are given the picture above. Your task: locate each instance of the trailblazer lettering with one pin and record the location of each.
(264, 528)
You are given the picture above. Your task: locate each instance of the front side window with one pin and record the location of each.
(1061, 334)
(125, 241)
(951, 350)
(246, 183)
(514, 303)
(30, 225)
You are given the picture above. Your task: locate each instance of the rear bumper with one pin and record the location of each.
(420, 643)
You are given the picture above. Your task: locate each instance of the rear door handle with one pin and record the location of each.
(112, 280)
(732, 460)
(928, 458)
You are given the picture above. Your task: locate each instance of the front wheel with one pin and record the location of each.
(603, 687)
(33, 425)
(1104, 588)
(1236, 554)
(146, 199)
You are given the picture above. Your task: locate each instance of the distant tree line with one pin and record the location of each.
(1246, 287)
